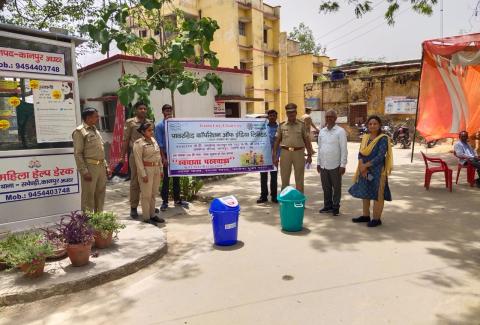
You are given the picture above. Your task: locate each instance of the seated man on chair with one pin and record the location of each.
(465, 153)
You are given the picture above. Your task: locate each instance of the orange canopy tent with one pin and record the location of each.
(449, 95)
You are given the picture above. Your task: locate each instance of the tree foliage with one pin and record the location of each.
(304, 35)
(361, 7)
(178, 41)
(40, 14)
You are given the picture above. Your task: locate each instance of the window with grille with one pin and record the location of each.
(242, 28)
(357, 114)
(243, 66)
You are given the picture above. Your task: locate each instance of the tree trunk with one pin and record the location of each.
(172, 97)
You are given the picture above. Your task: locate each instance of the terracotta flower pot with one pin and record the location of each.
(102, 242)
(3, 265)
(79, 254)
(34, 269)
(59, 252)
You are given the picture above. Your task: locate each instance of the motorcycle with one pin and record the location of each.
(402, 135)
(362, 129)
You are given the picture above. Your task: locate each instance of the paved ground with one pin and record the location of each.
(421, 267)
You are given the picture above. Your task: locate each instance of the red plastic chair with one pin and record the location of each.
(470, 171)
(429, 171)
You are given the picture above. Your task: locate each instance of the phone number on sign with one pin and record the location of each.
(37, 67)
(38, 194)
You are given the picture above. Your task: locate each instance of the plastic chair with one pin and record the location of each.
(470, 171)
(429, 171)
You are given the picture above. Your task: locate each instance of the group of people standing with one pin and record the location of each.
(148, 162)
(375, 161)
(145, 145)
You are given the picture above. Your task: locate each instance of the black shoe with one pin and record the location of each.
(157, 210)
(274, 200)
(361, 219)
(150, 221)
(326, 210)
(262, 200)
(183, 204)
(157, 219)
(335, 212)
(164, 206)
(133, 213)
(374, 223)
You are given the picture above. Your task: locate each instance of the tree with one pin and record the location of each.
(304, 35)
(180, 41)
(361, 7)
(49, 13)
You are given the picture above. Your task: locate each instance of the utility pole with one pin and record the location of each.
(441, 18)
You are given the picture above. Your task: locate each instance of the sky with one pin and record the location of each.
(370, 38)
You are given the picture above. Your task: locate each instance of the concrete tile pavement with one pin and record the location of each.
(421, 267)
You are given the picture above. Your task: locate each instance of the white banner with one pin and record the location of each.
(218, 146)
(400, 105)
(35, 177)
(54, 110)
(31, 61)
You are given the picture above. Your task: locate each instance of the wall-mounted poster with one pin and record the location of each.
(400, 105)
(54, 110)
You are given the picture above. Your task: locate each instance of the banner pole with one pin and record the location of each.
(418, 102)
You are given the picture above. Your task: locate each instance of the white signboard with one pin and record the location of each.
(31, 61)
(54, 110)
(400, 105)
(218, 146)
(219, 109)
(35, 177)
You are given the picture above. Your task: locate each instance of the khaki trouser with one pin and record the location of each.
(93, 192)
(149, 191)
(134, 184)
(297, 159)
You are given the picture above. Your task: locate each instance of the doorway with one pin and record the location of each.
(232, 110)
(357, 114)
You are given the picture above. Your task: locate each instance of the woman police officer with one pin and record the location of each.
(149, 166)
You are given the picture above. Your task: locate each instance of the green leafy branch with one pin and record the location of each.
(180, 41)
(361, 7)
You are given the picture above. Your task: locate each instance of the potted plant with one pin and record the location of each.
(105, 225)
(78, 235)
(58, 242)
(27, 251)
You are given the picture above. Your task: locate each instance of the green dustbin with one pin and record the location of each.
(292, 206)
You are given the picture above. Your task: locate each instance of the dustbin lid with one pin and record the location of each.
(227, 203)
(290, 193)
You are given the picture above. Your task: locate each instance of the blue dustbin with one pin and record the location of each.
(225, 212)
(292, 207)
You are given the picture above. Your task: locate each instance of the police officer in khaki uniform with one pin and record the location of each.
(149, 170)
(293, 138)
(90, 159)
(130, 135)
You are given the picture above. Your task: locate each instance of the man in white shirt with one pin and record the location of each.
(331, 162)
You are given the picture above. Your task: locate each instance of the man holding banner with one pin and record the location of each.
(130, 135)
(292, 137)
(160, 136)
(272, 131)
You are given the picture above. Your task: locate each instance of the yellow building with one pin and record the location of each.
(249, 38)
(304, 69)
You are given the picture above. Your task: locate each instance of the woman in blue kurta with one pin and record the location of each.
(371, 179)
